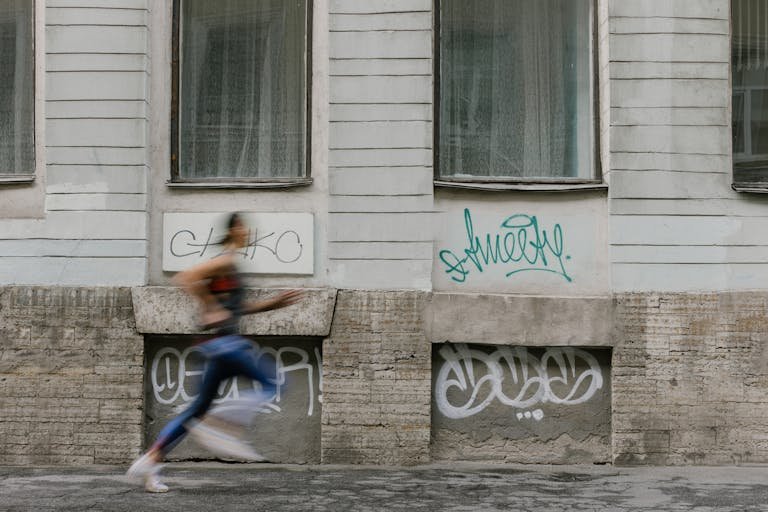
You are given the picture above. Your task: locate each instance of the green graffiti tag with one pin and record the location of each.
(519, 242)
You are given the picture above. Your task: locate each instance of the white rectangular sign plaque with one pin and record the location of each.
(278, 243)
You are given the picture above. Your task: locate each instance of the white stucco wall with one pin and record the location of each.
(91, 134)
(676, 224)
(670, 220)
(310, 199)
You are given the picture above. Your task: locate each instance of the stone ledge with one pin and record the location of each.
(168, 310)
(520, 320)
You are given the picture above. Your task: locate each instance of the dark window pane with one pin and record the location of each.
(17, 88)
(738, 122)
(516, 89)
(243, 107)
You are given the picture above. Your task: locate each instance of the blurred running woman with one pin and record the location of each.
(217, 285)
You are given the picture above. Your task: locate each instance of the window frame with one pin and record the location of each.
(511, 182)
(29, 177)
(756, 187)
(228, 182)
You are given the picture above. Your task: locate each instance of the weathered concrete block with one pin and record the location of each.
(168, 310)
(519, 320)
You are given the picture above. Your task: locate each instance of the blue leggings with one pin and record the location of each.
(227, 356)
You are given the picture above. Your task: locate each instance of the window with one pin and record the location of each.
(749, 71)
(516, 91)
(240, 103)
(17, 89)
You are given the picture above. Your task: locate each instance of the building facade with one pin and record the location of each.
(529, 231)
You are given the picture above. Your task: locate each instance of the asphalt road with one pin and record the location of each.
(454, 487)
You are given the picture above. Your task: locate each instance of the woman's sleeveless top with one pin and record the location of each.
(228, 290)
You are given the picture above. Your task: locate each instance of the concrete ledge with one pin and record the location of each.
(168, 310)
(519, 320)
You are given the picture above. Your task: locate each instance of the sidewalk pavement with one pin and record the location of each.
(448, 487)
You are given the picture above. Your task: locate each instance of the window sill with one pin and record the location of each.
(285, 183)
(16, 179)
(751, 188)
(534, 187)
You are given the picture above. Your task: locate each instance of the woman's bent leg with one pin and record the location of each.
(176, 429)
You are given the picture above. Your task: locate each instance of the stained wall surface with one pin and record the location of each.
(285, 429)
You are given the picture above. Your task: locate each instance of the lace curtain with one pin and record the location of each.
(516, 89)
(17, 87)
(243, 103)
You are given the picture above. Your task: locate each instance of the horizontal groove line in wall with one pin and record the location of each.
(378, 58)
(94, 210)
(383, 75)
(708, 215)
(97, 53)
(70, 194)
(387, 30)
(401, 212)
(378, 212)
(395, 120)
(692, 215)
(688, 245)
(337, 148)
(96, 146)
(687, 263)
(355, 121)
(668, 125)
(101, 8)
(678, 171)
(111, 25)
(665, 17)
(64, 239)
(333, 13)
(400, 242)
(98, 71)
(368, 194)
(59, 256)
(380, 259)
(719, 34)
(96, 118)
(667, 62)
(666, 153)
(429, 167)
(676, 108)
(648, 79)
(96, 165)
(366, 103)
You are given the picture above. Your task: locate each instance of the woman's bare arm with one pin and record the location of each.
(280, 300)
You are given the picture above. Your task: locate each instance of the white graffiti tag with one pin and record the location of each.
(170, 386)
(565, 376)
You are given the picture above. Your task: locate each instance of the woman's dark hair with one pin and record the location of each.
(233, 219)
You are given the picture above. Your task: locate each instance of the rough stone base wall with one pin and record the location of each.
(690, 378)
(377, 380)
(71, 370)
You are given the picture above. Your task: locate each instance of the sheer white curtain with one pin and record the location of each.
(516, 89)
(749, 68)
(242, 102)
(17, 87)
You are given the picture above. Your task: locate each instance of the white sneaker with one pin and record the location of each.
(222, 444)
(153, 484)
(142, 466)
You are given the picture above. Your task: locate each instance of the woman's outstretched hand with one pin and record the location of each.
(287, 298)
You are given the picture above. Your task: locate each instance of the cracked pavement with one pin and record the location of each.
(447, 487)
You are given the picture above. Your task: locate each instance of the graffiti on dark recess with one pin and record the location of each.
(172, 370)
(469, 379)
(519, 245)
(285, 247)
